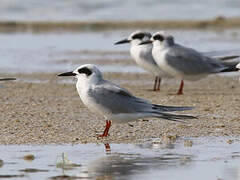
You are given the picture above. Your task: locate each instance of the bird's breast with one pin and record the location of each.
(92, 104)
(144, 59)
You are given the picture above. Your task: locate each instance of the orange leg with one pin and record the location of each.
(155, 84)
(159, 83)
(180, 90)
(105, 132)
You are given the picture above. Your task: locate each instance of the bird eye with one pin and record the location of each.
(138, 36)
(158, 37)
(85, 70)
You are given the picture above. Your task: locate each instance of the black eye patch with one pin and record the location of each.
(138, 36)
(158, 37)
(85, 70)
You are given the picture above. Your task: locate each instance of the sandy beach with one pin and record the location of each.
(46, 109)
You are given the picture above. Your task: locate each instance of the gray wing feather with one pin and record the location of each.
(191, 62)
(223, 55)
(117, 100)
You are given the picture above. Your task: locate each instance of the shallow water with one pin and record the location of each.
(75, 10)
(31, 53)
(152, 159)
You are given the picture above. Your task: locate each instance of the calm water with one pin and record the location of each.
(150, 159)
(56, 52)
(83, 10)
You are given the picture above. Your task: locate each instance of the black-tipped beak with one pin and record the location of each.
(67, 74)
(7, 79)
(146, 42)
(122, 42)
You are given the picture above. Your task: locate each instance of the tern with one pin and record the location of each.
(142, 55)
(115, 103)
(182, 62)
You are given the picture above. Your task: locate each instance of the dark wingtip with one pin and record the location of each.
(8, 79)
(172, 108)
(229, 57)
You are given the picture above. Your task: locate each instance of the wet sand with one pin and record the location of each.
(51, 111)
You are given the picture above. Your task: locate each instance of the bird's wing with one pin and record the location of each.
(117, 100)
(223, 55)
(191, 62)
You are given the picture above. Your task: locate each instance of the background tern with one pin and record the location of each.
(182, 62)
(142, 55)
(116, 103)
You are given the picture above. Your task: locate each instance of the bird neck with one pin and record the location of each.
(85, 83)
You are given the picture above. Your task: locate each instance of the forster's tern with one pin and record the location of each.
(182, 62)
(142, 55)
(116, 103)
(7, 79)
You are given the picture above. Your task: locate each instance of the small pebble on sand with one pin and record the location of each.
(188, 143)
(29, 157)
(229, 141)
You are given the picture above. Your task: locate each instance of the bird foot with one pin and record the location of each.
(105, 132)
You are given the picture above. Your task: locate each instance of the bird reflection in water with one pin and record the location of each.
(125, 165)
(107, 148)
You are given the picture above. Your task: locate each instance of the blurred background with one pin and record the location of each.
(42, 38)
(51, 36)
(83, 10)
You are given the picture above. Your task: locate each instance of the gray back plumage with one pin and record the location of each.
(191, 62)
(116, 99)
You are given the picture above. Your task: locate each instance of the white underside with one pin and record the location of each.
(146, 64)
(127, 117)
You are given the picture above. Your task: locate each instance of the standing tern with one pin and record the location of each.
(116, 103)
(142, 55)
(182, 62)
